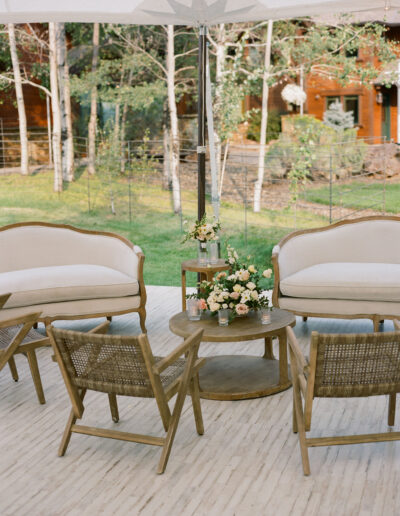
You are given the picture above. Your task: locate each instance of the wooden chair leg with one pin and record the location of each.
(109, 318)
(305, 318)
(112, 398)
(32, 360)
(142, 316)
(13, 369)
(195, 394)
(67, 432)
(392, 409)
(295, 428)
(301, 427)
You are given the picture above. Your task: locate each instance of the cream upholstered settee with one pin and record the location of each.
(70, 273)
(346, 270)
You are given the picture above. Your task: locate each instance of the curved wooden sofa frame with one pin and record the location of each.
(376, 319)
(142, 289)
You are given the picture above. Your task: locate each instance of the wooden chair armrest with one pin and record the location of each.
(4, 299)
(20, 319)
(177, 352)
(294, 346)
(101, 328)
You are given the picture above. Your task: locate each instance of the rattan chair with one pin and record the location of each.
(343, 366)
(124, 365)
(17, 336)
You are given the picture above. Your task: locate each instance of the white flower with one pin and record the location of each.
(225, 306)
(250, 285)
(231, 305)
(293, 94)
(254, 295)
(252, 269)
(232, 277)
(243, 274)
(267, 273)
(237, 288)
(246, 296)
(220, 298)
(214, 307)
(231, 261)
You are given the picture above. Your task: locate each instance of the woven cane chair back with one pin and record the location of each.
(353, 365)
(106, 363)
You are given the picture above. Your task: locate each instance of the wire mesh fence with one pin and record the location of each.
(303, 186)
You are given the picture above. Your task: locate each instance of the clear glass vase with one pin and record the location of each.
(213, 252)
(202, 254)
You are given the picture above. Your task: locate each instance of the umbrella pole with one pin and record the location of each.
(201, 120)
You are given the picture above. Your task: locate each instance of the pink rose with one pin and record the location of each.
(221, 275)
(202, 304)
(242, 309)
(234, 295)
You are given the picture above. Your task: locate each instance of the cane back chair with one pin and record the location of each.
(343, 366)
(125, 365)
(17, 336)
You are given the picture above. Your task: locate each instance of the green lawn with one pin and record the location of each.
(359, 195)
(154, 227)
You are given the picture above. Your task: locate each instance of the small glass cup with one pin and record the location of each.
(193, 309)
(265, 316)
(213, 252)
(202, 253)
(223, 317)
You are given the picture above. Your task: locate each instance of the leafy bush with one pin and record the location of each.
(273, 128)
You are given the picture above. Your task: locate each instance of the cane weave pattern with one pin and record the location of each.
(357, 365)
(9, 333)
(109, 363)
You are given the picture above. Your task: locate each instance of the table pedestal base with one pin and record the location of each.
(240, 377)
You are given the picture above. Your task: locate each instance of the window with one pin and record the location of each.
(349, 103)
(352, 52)
(331, 100)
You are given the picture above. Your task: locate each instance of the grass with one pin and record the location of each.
(153, 226)
(359, 195)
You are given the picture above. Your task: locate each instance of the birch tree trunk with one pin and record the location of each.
(264, 121)
(166, 152)
(67, 141)
(218, 99)
(173, 116)
(55, 107)
(123, 129)
(93, 104)
(23, 135)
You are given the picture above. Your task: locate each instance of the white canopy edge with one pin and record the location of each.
(179, 12)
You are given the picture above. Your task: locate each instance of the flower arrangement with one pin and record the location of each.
(240, 291)
(203, 231)
(293, 94)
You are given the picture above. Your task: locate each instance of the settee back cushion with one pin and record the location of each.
(371, 241)
(27, 247)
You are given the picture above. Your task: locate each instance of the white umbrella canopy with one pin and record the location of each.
(177, 12)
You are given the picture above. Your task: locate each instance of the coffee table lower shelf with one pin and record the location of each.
(240, 377)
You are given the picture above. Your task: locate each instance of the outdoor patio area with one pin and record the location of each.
(247, 463)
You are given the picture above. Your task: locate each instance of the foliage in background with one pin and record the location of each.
(254, 122)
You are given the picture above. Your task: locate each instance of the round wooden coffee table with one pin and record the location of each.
(240, 377)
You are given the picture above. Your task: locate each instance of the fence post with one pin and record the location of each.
(88, 177)
(384, 175)
(330, 186)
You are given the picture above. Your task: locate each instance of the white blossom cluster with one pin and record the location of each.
(293, 94)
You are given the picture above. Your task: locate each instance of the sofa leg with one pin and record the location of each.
(142, 315)
(305, 318)
(109, 318)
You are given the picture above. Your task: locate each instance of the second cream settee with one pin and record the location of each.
(70, 273)
(347, 270)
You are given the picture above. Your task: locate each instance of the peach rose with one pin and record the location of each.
(242, 309)
(202, 304)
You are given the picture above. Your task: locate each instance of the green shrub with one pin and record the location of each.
(273, 128)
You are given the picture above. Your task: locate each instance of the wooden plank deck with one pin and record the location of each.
(247, 463)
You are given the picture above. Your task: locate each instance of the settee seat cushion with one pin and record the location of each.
(55, 284)
(353, 281)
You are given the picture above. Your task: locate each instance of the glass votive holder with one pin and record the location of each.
(193, 309)
(223, 317)
(213, 252)
(202, 254)
(265, 316)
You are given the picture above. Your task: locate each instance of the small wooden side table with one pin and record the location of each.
(206, 273)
